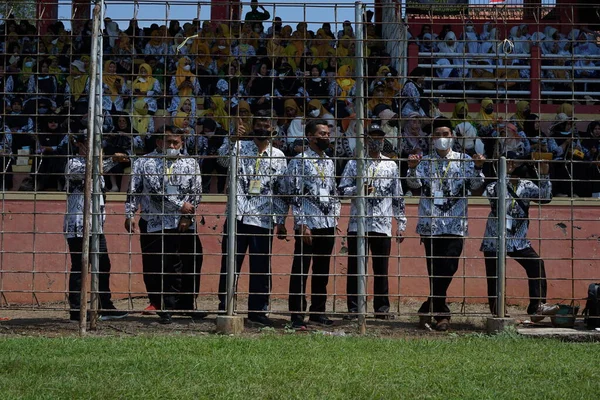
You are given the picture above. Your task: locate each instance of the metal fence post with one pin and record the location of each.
(501, 257)
(98, 118)
(360, 163)
(231, 223)
(85, 253)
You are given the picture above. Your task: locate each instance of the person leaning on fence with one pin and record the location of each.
(260, 205)
(445, 178)
(73, 228)
(520, 192)
(311, 187)
(384, 199)
(167, 186)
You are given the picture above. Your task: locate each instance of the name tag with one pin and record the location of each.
(509, 223)
(438, 198)
(172, 189)
(323, 195)
(255, 186)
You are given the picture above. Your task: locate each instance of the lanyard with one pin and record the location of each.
(445, 172)
(257, 164)
(374, 170)
(321, 171)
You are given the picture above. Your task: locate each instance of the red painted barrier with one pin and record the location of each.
(33, 266)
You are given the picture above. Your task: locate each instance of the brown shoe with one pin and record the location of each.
(442, 325)
(425, 322)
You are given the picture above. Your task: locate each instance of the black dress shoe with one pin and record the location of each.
(352, 315)
(321, 320)
(196, 315)
(298, 323)
(261, 320)
(165, 318)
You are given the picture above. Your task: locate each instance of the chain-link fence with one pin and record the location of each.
(251, 158)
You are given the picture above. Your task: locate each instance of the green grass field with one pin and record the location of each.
(298, 366)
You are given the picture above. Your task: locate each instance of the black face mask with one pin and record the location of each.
(261, 134)
(323, 144)
(488, 111)
(393, 123)
(526, 113)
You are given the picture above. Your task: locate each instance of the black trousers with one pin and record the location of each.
(75, 250)
(442, 254)
(172, 262)
(257, 242)
(536, 274)
(380, 246)
(320, 255)
(210, 169)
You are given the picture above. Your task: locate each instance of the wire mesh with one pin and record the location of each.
(515, 81)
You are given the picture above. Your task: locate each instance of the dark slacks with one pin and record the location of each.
(380, 246)
(536, 274)
(320, 255)
(257, 242)
(75, 249)
(172, 262)
(442, 254)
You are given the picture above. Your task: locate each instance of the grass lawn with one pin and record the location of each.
(298, 366)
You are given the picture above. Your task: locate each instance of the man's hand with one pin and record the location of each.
(544, 168)
(120, 157)
(306, 235)
(414, 160)
(184, 224)
(280, 231)
(399, 237)
(479, 160)
(187, 208)
(130, 225)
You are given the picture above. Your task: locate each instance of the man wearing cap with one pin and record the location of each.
(445, 178)
(519, 195)
(260, 209)
(167, 186)
(384, 199)
(311, 186)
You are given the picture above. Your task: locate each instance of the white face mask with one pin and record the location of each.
(172, 153)
(443, 143)
(314, 113)
(316, 79)
(221, 47)
(142, 80)
(187, 68)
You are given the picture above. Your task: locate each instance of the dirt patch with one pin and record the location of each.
(52, 320)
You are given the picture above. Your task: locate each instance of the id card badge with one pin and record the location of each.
(438, 198)
(254, 186)
(323, 195)
(509, 223)
(172, 190)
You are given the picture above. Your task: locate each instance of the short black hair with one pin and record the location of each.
(311, 126)
(262, 115)
(441, 122)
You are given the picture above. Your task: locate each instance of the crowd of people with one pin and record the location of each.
(478, 55)
(179, 100)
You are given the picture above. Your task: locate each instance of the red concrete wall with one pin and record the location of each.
(36, 263)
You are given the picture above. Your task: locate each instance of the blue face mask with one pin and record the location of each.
(565, 133)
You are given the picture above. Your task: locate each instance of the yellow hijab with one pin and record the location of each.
(110, 80)
(317, 104)
(203, 52)
(181, 75)
(77, 83)
(179, 119)
(346, 84)
(484, 119)
(460, 106)
(220, 114)
(141, 119)
(519, 117)
(144, 86)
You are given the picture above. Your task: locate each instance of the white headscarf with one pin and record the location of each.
(444, 47)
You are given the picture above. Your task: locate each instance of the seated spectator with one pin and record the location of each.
(510, 139)
(230, 84)
(567, 176)
(6, 181)
(42, 85)
(123, 54)
(184, 84)
(412, 94)
(244, 51)
(316, 86)
(592, 143)
(77, 86)
(378, 97)
(143, 125)
(157, 46)
(453, 54)
(220, 115)
(146, 87)
(114, 87)
(204, 66)
(6, 86)
(286, 86)
(343, 90)
(467, 141)
(486, 117)
(119, 141)
(461, 114)
(293, 127)
(260, 87)
(523, 110)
